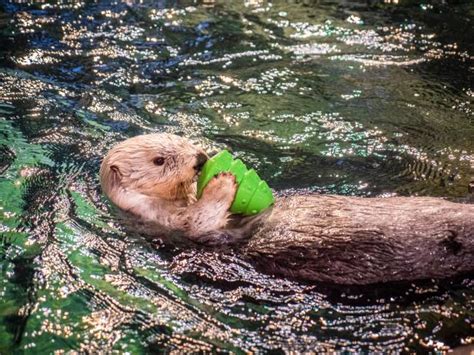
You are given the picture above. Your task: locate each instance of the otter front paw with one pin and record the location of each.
(221, 188)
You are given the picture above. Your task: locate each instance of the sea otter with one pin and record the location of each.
(337, 239)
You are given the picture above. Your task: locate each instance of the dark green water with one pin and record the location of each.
(326, 96)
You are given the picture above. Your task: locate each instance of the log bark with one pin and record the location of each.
(351, 240)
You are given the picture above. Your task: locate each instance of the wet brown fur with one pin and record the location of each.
(355, 240)
(346, 240)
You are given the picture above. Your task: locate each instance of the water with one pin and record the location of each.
(318, 96)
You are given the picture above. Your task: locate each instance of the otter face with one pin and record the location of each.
(157, 165)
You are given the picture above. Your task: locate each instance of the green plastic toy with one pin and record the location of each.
(253, 194)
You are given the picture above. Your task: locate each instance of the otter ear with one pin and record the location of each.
(116, 175)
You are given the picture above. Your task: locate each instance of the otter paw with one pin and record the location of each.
(221, 188)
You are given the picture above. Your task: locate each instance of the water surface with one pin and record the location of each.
(336, 97)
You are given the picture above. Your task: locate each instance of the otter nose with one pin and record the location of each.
(201, 159)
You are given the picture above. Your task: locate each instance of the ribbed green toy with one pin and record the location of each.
(253, 194)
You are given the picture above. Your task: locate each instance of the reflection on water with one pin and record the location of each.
(351, 98)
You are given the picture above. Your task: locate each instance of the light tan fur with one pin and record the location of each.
(342, 239)
(165, 194)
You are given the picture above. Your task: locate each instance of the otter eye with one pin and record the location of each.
(159, 161)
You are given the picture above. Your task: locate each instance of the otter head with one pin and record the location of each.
(155, 165)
